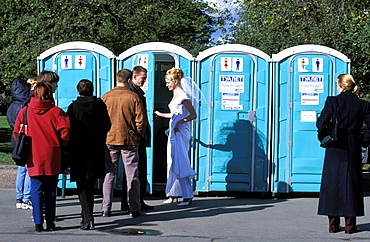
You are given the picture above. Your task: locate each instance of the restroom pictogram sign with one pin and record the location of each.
(66, 61)
(80, 61)
(143, 60)
(226, 64)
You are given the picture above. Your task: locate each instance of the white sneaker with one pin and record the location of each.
(169, 200)
(19, 203)
(27, 205)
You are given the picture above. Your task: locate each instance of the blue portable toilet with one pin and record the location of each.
(303, 77)
(157, 58)
(233, 136)
(74, 61)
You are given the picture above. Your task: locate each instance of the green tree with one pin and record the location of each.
(274, 25)
(29, 27)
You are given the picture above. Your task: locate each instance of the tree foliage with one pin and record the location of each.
(274, 25)
(29, 27)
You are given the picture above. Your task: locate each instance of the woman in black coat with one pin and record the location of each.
(90, 124)
(341, 192)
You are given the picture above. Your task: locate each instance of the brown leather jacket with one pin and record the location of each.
(127, 116)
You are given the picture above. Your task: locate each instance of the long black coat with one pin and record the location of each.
(90, 124)
(341, 192)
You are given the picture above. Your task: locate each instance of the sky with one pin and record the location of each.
(221, 4)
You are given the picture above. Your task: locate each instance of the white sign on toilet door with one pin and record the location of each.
(143, 60)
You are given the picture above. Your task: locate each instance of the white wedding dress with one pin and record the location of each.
(179, 171)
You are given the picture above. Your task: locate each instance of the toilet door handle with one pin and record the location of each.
(252, 116)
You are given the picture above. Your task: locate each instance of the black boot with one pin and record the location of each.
(39, 227)
(50, 226)
(88, 225)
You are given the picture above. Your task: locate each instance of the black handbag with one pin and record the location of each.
(333, 129)
(19, 153)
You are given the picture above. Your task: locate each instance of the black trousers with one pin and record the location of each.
(85, 189)
(143, 170)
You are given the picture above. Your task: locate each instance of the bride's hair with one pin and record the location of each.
(174, 74)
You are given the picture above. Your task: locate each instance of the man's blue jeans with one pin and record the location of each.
(23, 184)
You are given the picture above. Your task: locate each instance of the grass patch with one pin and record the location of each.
(5, 135)
(365, 166)
(5, 130)
(6, 158)
(4, 122)
(5, 145)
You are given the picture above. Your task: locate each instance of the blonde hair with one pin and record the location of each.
(32, 81)
(347, 83)
(175, 74)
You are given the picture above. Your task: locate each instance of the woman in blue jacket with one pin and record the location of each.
(21, 92)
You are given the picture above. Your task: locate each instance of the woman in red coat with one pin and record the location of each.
(48, 130)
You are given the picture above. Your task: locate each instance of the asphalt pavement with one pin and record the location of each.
(216, 218)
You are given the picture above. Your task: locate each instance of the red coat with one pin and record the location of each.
(48, 129)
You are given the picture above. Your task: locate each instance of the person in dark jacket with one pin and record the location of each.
(341, 192)
(21, 92)
(90, 124)
(139, 76)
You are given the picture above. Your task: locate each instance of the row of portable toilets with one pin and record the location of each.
(255, 132)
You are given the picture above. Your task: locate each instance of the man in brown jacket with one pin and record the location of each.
(127, 116)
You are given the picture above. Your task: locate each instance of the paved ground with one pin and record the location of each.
(8, 174)
(216, 218)
(208, 219)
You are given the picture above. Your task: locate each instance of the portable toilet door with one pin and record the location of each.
(157, 58)
(74, 61)
(233, 145)
(303, 77)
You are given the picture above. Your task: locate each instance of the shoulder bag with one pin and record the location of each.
(333, 135)
(19, 154)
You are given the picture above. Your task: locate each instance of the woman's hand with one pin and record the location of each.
(163, 115)
(157, 113)
(176, 128)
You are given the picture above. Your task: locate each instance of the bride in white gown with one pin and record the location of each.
(180, 172)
